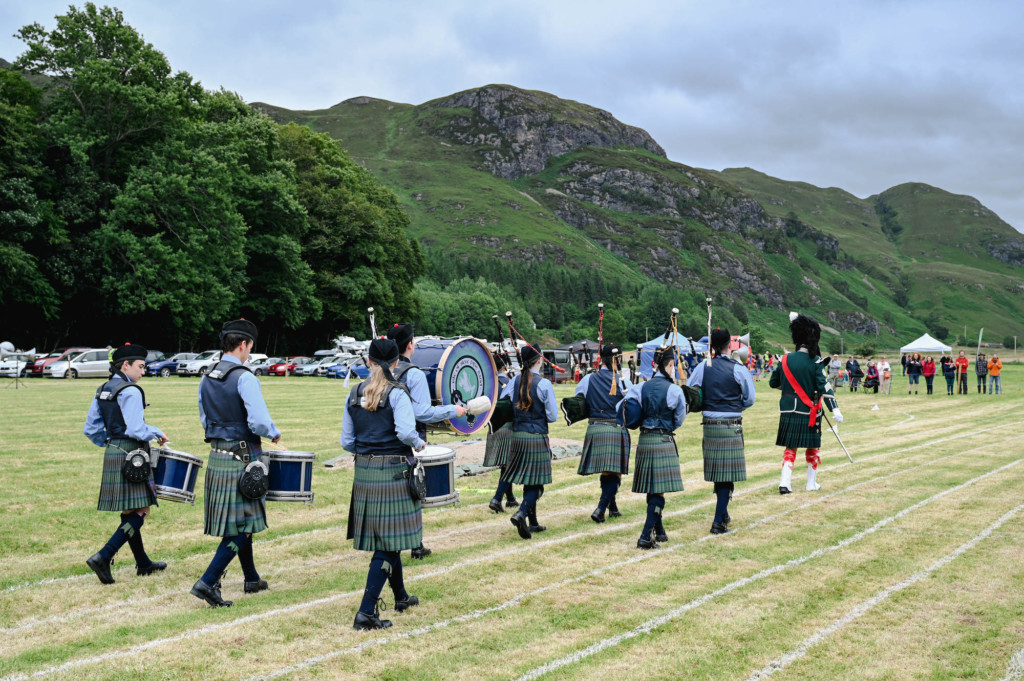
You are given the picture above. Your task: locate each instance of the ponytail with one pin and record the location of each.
(525, 401)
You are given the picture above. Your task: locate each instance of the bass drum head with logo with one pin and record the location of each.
(466, 370)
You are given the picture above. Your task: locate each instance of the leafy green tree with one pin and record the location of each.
(758, 344)
(865, 349)
(615, 328)
(1009, 342)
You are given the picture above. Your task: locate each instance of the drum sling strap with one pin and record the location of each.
(802, 394)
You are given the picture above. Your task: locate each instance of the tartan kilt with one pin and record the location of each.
(794, 432)
(226, 511)
(657, 465)
(498, 447)
(723, 453)
(529, 462)
(382, 516)
(116, 494)
(605, 450)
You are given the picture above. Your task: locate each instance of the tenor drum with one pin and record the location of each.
(174, 475)
(291, 475)
(458, 370)
(439, 473)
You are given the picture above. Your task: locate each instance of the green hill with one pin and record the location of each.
(500, 181)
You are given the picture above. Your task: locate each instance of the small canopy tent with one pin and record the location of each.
(645, 354)
(926, 344)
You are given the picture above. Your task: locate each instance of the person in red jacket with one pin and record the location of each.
(962, 365)
(928, 370)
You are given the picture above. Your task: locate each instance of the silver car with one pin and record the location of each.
(94, 363)
(200, 365)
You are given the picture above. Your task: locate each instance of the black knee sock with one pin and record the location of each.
(376, 577)
(245, 559)
(395, 579)
(127, 525)
(509, 492)
(607, 492)
(229, 546)
(653, 514)
(616, 481)
(135, 542)
(722, 490)
(504, 490)
(531, 493)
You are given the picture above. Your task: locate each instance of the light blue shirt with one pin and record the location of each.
(583, 385)
(416, 381)
(257, 415)
(674, 400)
(545, 390)
(743, 377)
(405, 423)
(132, 410)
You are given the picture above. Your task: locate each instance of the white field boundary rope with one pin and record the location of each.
(203, 631)
(516, 600)
(653, 623)
(783, 661)
(1015, 669)
(304, 533)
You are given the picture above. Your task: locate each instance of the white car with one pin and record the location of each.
(16, 365)
(93, 363)
(203, 362)
(342, 358)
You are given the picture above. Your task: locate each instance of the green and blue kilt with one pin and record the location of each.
(117, 494)
(605, 450)
(498, 447)
(723, 452)
(657, 464)
(382, 516)
(794, 432)
(226, 511)
(529, 462)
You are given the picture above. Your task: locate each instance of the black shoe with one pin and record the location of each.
(257, 586)
(101, 567)
(519, 520)
(534, 525)
(366, 622)
(660, 537)
(718, 528)
(645, 542)
(511, 502)
(613, 510)
(785, 490)
(598, 515)
(210, 594)
(495, 506)
(154, 566)
(726, 519)
(421, 552)
(406, 603)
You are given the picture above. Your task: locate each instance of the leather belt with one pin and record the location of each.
(731, 421)
(656, 431)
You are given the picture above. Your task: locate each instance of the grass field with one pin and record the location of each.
(905, 565)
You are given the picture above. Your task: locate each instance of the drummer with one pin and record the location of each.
(235, 417)
(534, 407)
(497, 448)
(606, 445)
(379, 427)
(117, 421)
(413, 378)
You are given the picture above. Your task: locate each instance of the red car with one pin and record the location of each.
(39, 366)
(286, 367)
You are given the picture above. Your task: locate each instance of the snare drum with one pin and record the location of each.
(458, 370)
(439, 471)
(291, 476)
(174, 474)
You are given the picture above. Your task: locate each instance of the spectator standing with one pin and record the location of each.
(981, 369)
(949, 373)
(885, 375)
(871, 381)
(856, 373)
(928, 370)
(962, 365)
(995, 366)
(834, 367)
(903, 363)
(914, 368)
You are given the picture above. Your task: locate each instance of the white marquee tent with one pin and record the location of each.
(926, 344)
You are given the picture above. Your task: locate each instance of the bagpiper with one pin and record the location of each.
(496, 450)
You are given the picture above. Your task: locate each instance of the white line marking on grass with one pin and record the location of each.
(652, 624)
(1015, 669)
(518, 550)
(516, 600)
(783, 661)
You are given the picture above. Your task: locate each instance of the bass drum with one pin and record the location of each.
(457, 371)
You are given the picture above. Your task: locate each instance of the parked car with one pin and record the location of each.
(359, 370)
(198, 366)
(286, 366)
(261, 366)
(168, 365)
(341, 358)
(16, 365)
(93, 363)
(39, 366)
(312, 367)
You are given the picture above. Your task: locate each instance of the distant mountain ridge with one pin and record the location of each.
(500, 172)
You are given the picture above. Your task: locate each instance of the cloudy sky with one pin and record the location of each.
(859, 95)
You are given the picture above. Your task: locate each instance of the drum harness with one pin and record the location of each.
(137, 462)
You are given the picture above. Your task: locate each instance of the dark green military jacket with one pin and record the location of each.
(811, 374)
